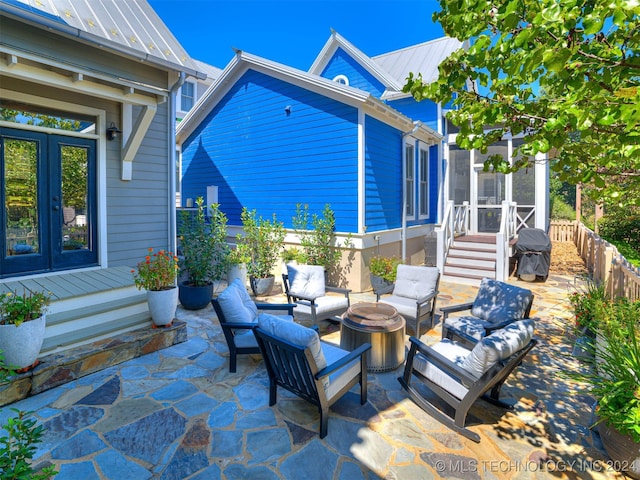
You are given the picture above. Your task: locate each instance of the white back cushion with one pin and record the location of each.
(306, 280)
(499, 345)
(236, 304)
(414, 281)
(294, 333)
(498, 301)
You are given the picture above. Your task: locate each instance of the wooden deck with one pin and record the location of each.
(71, 284)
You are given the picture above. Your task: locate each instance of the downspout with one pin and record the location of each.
(172, 162)
(416, 125)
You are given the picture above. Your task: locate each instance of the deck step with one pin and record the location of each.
(81, 336)
(465, 260)
(469, 270)
(98, 308)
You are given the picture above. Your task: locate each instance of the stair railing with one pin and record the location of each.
(455, 221)
(508, 225)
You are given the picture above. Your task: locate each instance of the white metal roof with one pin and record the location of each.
(129, 27)
(212, 72)
(423, 58)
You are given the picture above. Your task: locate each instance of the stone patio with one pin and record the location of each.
(179, 414)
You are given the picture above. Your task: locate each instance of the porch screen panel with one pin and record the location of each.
(22, 232)
(491, 185)
(459, 175)
(524, 182)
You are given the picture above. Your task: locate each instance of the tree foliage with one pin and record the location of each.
(565, 73)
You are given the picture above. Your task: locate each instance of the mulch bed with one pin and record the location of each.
(566, 261)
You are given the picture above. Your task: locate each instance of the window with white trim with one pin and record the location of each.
(187, 96)
(423, 169)
(409, 180)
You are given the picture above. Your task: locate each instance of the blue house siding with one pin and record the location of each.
(343, 64)
(265, 159)
(383, 176)
(425, 111)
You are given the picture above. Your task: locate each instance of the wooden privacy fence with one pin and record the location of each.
(606, 265)
(562, 230)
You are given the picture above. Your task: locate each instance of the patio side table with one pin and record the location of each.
(380, 325)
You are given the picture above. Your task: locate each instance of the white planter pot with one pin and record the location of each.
(237, 271)
(21, 345)
(162, 305)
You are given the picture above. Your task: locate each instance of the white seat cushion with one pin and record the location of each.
(451, 351)
(499, 345)
(342, 376)
(328, 303)
(236, 304)
(405, 306)
(472, 326)
(306, 280)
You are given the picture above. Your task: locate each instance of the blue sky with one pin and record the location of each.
(294, 31)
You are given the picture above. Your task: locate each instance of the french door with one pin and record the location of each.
(48, 193)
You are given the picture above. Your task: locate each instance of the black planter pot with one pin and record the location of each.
(194, 298)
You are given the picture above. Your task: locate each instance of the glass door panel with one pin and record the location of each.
(23, 243)
(22, 224)
(72, 205)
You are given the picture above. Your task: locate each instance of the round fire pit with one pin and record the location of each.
(380, 325)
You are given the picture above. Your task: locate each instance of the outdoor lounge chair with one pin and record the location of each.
(305, 286)
(316, 371)
(496, 305)
(238, 314)
(414, 294)
(459, 376)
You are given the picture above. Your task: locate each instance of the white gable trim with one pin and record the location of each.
(338, 41)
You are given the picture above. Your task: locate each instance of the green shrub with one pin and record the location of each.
(18, 442)
(384, 267)
(587, 304)
(317, 237)
(561, 210)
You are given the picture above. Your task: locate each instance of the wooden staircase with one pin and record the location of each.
(470, 259)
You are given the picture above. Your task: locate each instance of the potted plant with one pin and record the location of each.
(237, 264)
(382, 272)
(205, 252)
(22, 327)
(613, 377)
(157, 275)
(318, 239)
(263, 239)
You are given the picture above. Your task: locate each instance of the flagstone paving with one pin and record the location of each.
(179, 414)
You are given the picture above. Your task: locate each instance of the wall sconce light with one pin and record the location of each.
(113, 132)
(287, 110)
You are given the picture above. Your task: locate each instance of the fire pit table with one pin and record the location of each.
(380, 325)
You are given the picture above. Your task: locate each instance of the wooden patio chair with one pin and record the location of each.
(238, 314)
(459, 376)
(316, 371)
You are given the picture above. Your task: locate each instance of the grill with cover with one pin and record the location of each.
(533, 253)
